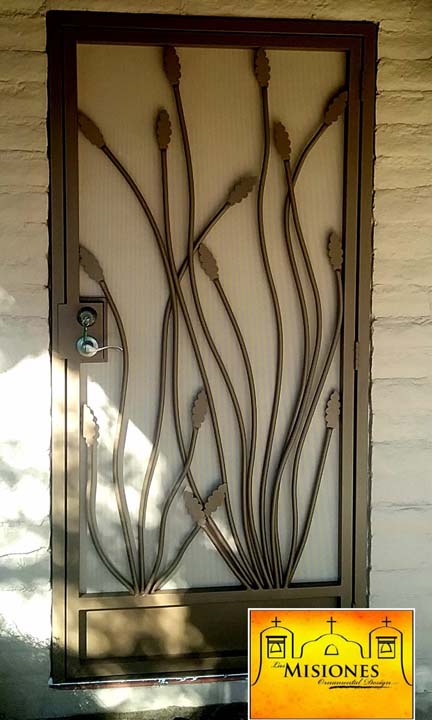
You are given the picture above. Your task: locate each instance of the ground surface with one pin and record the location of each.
(236, 711)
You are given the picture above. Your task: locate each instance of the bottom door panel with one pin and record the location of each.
(208, 636)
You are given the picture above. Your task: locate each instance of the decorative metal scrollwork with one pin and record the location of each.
(256, 560)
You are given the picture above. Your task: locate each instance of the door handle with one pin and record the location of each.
(87, 345)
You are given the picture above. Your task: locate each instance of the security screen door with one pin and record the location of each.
(210, 258)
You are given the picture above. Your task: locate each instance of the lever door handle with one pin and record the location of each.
(87, 345)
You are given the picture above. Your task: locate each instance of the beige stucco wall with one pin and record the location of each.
(401, 553)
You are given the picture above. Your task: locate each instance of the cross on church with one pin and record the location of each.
(332, 622)
(276, 622)
(386, 621)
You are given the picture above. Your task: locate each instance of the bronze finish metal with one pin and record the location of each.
(70, 328)
(265, 577)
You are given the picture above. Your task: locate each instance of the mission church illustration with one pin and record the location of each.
(385, 645)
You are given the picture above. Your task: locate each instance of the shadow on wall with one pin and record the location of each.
(24, 691)
(25, 629)
(25, 605)
(25, 671)
(25, 591)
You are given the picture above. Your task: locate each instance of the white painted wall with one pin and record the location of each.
(401, 554)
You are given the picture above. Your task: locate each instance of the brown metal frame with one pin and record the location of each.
(70, 609)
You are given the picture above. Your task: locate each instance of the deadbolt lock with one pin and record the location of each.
(87, 345)
(87, 316)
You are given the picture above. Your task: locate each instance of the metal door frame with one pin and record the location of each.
(65, 30)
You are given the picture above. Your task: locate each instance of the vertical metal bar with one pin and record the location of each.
(346, 524)
(72, 555)
(362, 488)
(58, 379)
(71, 170)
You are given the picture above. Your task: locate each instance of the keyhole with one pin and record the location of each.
(87, 317)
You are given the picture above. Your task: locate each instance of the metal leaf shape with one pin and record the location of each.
(172, 65)
(163, 130)
(332, 410)
(262, 68)
(282, 141)
(194, 508)
(90, 130)
(336, 107)
(90, 427)
(90, 264)
(335, 251)
(208, 262)
(241, 189)
(216, 499)
(199, 409)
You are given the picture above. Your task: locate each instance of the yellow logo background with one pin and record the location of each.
(328, 664)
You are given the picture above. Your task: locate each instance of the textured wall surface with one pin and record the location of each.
(401, 553)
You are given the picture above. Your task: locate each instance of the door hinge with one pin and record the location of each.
(356, 355)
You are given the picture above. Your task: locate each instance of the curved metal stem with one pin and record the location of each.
(276, 555)
(151, 467)
(315, 354)
(279, 329)
(250, 379)
(175, 291)
(246, 509)
(211, 529)
(91, 488)
(222, 548)
(168, 502)
(318, 336)
(119, 439)
(220, 543)
(308, 421)
(172, 567)
(312, 504)
(306, 150)
(119, 442)
(174, 306)
(191, 193)
(234, 563)
(138, 194)
(254, 411)
(159, 419)
(291, 432)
